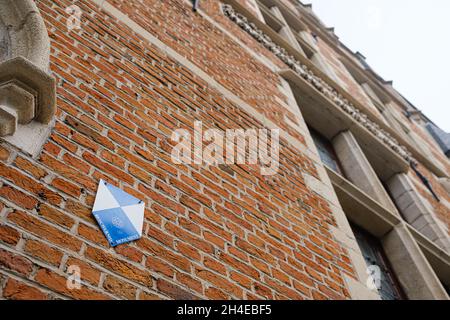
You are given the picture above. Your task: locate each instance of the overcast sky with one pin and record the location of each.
(407, 41)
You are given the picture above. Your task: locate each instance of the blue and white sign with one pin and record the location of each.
(120, 215)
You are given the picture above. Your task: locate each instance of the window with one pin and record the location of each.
(374, 255)
(326, 151)
(447, 289)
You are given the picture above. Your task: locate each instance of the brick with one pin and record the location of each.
(92, 234)
(4, 154)
(80, 210)
(45, 231)
(164, 253)
(119, 266)
(189, 238)
(216, 294)
(242, 280)
(173, 291)
(17, 290)
(29, 185)
(107, 168)
(160, 267)
(149, 296)
(88, 272)
(9, 235)
(215, 265)
(27, 166)
(119, 288)
(58, 283)
(15, 262)
(119, 129)
(190, 282)
(17, 197)
(67, 187)
(130, 253)
(55, 216)
(43, 252)
(220, 282)
(239, 265)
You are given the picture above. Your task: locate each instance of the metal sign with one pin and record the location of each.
(119, 215)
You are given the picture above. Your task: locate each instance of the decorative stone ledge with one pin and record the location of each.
(27, 90)
(318, 83)
(445, 183)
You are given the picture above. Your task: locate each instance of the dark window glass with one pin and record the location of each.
(389, 287)
(447, 288)
(326, 151)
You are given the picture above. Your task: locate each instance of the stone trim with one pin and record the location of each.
(357, 168)
(27, 90)
(412, 268)
(418, 278)
(416, 211)
(27, 31)
(318, 83)
(445, 182)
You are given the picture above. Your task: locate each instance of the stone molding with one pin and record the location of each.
(27, 89)
(318, 83)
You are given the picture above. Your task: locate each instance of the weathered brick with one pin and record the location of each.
(43, 252)
(4, 154)
(17, 197)
(119, 288)
(119, 266)
(173, 291)
(30, 167)
(88, 272)
(9, 235)
(55, 216)
(15, 262)
(58, 283)
(44, 230)
(219, 282)
(17, 290)
(92, 234)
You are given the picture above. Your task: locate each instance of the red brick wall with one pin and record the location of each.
(218, 232)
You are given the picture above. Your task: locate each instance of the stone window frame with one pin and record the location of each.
(403, 250)
(374, 254)
(389, 152)
(379, 161)
(27, 88)
(379, 219)
(296, 33)
(420, 269)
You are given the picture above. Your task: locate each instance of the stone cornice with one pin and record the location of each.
(318, 83)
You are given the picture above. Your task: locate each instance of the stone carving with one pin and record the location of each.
(318, 83)
(27, 90)
(4, 42)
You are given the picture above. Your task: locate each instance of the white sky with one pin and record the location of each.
(407, 41)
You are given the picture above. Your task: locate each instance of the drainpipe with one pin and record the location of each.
(425, 181)
(195, 7)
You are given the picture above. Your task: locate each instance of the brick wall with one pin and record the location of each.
(209, 232)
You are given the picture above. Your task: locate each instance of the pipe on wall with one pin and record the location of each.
(196, 3)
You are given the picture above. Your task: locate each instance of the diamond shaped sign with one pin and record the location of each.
(120, 215)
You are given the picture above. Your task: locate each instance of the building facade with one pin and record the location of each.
(359, 207)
